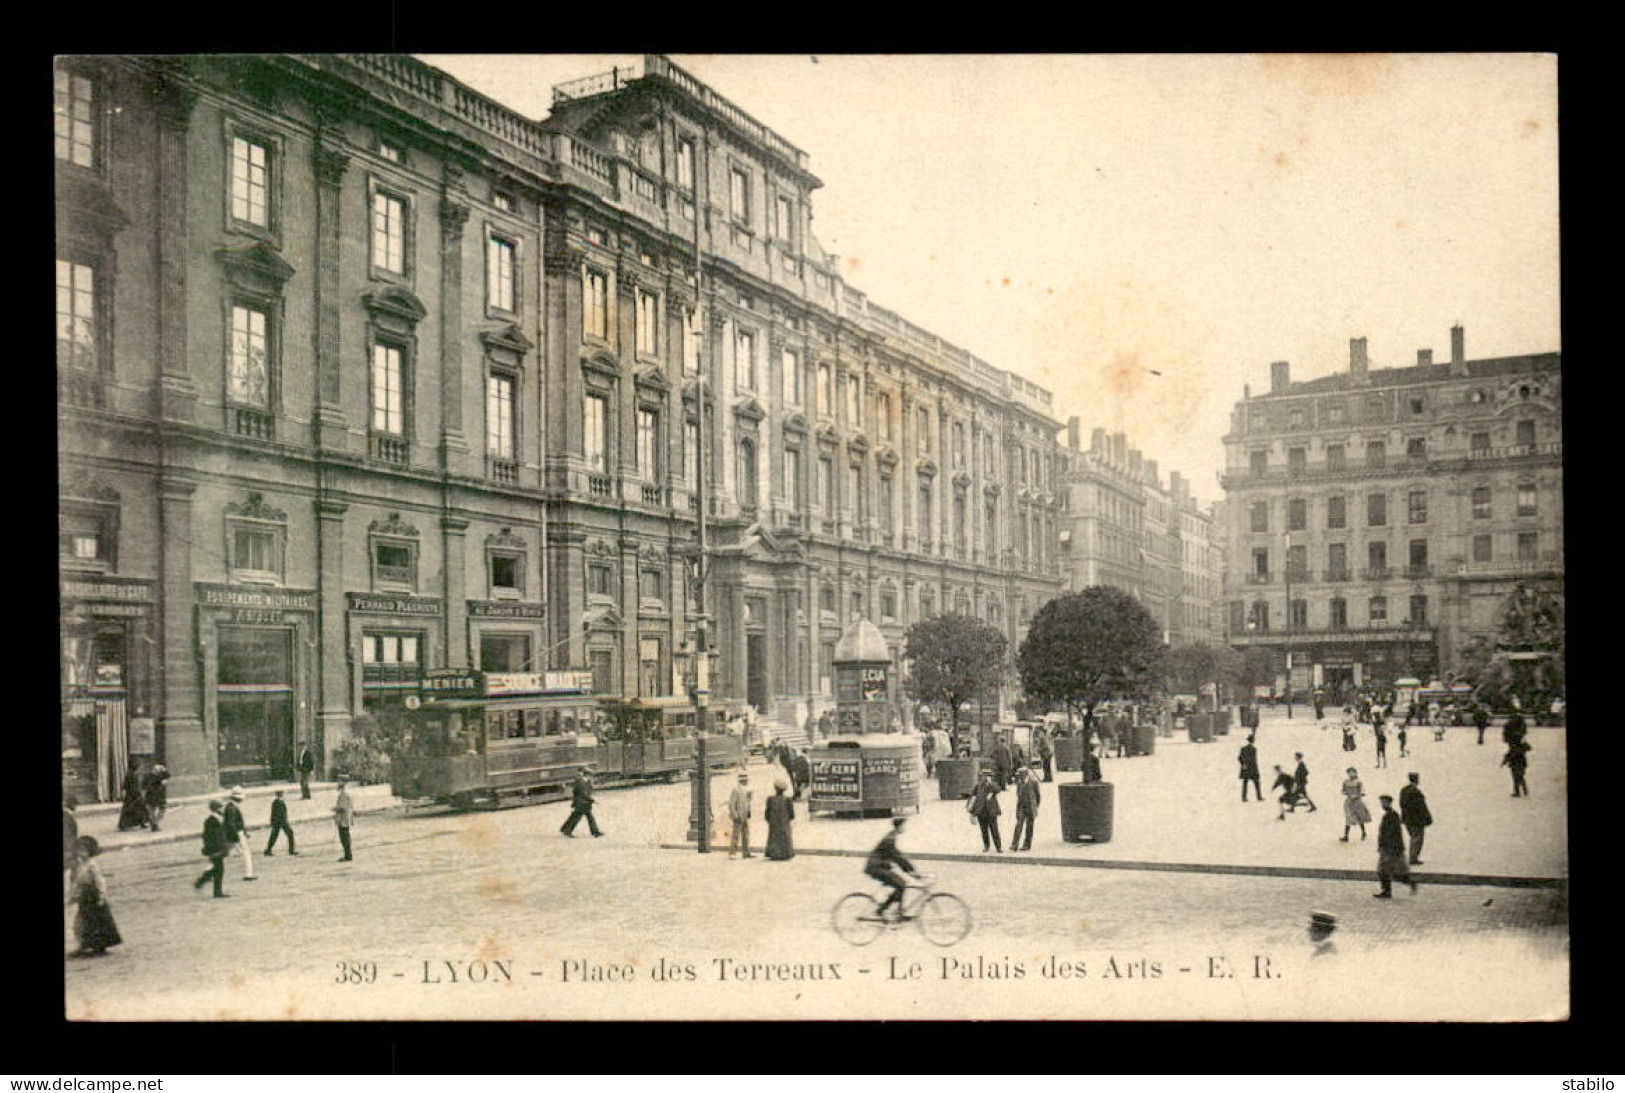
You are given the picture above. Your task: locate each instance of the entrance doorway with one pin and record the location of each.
(254, 703)
(756, 671)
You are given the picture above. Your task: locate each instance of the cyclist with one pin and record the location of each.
(890, 868)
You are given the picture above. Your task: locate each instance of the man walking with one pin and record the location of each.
(739, 815)
(155, 785)
(1391, 864)
(1027, 801)
(984, 805)
(280, 825)
(1248, 758)
(1517, 760)
(237, 830)
(581, 806)
(1382, 740)
(216, 845)
(1046, 754)
(1413, 812)
(1481, 721)
(343, 818)
(1003, 762)
(801, 773)
(306, 764)
(1301, 782)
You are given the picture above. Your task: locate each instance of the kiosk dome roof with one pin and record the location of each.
(862, 641)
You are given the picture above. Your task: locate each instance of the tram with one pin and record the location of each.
(504, 738)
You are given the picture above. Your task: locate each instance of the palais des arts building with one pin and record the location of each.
(362, 374)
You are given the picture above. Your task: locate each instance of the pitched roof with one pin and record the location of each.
(1422, 373)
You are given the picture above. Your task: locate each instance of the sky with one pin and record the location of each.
(1143, 235)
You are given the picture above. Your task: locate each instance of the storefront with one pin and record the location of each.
(393, 639)
(506, 636)
(258, 646)
(106, 634)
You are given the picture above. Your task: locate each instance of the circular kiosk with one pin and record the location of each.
(868, 766)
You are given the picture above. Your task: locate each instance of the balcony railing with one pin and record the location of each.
(390, 449)
(77, 388)
(1418, 572)
(600, 485)
(396, 574)
(1333, 575)
(1378, 574)
(253, 423)
(654, 496)
(502, 470)
(1258, 578)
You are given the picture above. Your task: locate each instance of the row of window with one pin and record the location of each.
(1376, 451)
(1377, 408)
(1255, 617)
(1416, 508)
(1337, 559)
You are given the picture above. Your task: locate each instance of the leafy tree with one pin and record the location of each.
(953, 659)
(1252, 667)
(1087, 647)
(1188, 667)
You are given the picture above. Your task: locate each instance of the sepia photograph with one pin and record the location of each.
(646, 537)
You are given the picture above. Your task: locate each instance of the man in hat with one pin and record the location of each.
(1481, 721)
(216, 845)
(280, 825)
(739, 817)
(801, 772)
(155, 785)
(1517, 761)
(1322, 924)
(1413, 812)
(1391, 864)
(984, 805)
(1248, 758)
(1046, 752)
(1004, 761)
(889, 867)
(237, 830)
(343, 818)
(1027, 801)
(306, 764)
(581, 806)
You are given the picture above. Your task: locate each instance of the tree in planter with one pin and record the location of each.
(1189, 667)
(1087, 647)
(952, 660)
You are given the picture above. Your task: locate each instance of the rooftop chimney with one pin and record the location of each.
(1246, 391)
(1134, 462)
(1280, 376)
(1119, 449)
(1151, 472)
(1458, 350)
(1072, 432)
(1097, 441)
(1359, 363)
(1424, 357)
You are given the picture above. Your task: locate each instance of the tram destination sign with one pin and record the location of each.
(559, 682)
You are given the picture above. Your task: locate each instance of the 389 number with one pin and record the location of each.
(356, 971)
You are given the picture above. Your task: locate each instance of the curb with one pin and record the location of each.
(1288, 872)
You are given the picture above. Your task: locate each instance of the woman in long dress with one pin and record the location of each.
(780, 811)
(134, 812)
(93, 925)
(1354, 808)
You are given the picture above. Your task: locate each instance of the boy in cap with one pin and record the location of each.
(237, 830)
(279, 824)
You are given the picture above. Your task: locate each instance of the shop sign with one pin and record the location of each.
(382, 604)
(273, 599)
(451, 683)
(81, 588)
(498, 609)
(837, 780)
(558, 682)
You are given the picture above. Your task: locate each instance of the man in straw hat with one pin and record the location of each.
(237, 831)
(739, 815)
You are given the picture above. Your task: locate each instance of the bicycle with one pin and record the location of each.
(942, 917)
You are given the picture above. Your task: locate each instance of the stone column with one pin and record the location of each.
(454, 450)
(177, 395)
(330, 163)
(333, 713)
(186, 746)
(454, 539)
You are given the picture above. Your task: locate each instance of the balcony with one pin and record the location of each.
(1549, 562)
(80, 388)
(505, 471)
(1297, 574)
(256, 424)
(1258, 578)
(600, 485)
(396, 574)
(653, 496)
(1373, 632)
(389, 449)
(1382, 573)
(1418, 572)
(1331, 576)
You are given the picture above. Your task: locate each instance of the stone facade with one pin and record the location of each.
(1400, 506)
(362, 374)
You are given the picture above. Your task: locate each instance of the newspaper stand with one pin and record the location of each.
(867, 767)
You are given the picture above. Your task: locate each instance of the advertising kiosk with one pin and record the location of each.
(868, 766)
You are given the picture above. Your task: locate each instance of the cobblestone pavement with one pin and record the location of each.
(495, 915)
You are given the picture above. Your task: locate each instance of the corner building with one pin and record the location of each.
(362, 374)
(1379, 518)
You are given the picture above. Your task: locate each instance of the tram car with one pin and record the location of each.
(491, 739)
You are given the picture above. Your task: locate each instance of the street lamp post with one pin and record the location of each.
(1288, 561)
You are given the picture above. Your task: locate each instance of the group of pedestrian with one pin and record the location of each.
(985, 810)
(779, 813)
(226, 831)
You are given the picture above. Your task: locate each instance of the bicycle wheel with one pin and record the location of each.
(857, 918)
(944, 919)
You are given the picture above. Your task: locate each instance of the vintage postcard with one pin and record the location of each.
(811, 537)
